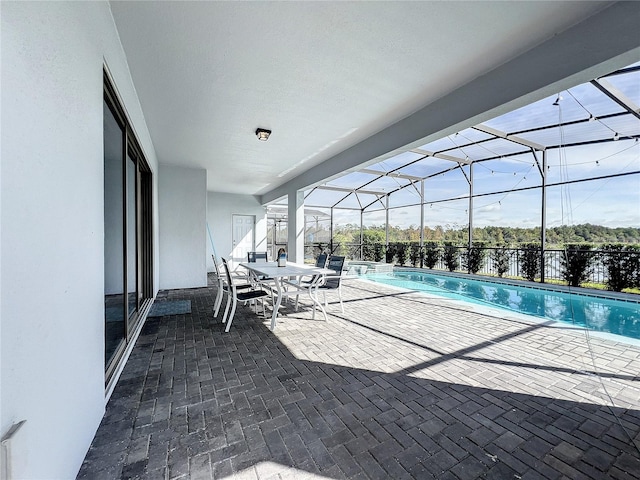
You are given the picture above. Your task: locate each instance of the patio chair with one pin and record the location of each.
(222, 284)
(321, 262)
(333, 283)
(296, 287)
(257, 257)
(253, 257)
(235, 296)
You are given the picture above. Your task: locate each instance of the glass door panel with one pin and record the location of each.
(132, 212)
(115, 328)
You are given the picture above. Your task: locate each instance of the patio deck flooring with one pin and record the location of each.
(400, 386)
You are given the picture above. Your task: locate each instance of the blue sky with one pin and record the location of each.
(612, 202)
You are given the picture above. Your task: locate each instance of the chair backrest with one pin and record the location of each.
(215, 266)
(253, 257)
(321, 261)
(228, 274)
(336, 264)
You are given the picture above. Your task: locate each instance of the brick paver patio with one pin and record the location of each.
(400, 386)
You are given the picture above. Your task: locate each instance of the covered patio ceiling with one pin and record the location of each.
(342, 83)
(604, 110)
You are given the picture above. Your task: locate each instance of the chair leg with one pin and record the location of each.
(218, 300)
(340, 297)
(216, 305)
(230, 319)
(226, 310)
(316, 303)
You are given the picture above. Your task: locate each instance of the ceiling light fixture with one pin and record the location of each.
(263, 134)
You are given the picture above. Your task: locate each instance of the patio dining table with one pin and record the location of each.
(282, 274)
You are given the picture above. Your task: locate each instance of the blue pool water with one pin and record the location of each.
(595, 313)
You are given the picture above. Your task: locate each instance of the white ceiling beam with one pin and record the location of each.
(421, 151)
(443, 156)
(451, 158)
(350, 190)
(511, 138)
(606, 87)
(390, 174)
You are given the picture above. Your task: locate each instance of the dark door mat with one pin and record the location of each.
(170, 307)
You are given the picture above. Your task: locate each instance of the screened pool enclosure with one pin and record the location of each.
(571, 158)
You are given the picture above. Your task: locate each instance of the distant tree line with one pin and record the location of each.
(492, 235)
(584, 248)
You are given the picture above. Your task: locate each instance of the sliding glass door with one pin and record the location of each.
(132, 235)
(114, 141)
(128, 271)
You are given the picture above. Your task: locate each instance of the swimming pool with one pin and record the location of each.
(595, 313)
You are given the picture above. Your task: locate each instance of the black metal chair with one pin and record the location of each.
(253, 257)
(257, 257)
(243, 296)
(240, 281)
(333, 282)
(330, 283)
(321, 262)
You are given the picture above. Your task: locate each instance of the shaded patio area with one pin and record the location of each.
(400, 386)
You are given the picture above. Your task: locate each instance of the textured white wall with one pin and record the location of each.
(183, 215)
(52, 277)
(220, 209)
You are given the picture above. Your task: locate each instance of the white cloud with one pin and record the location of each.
(490, 208)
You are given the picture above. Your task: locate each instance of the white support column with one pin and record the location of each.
(295, 234)
(421, 214)
(470, 205)
(543, 219)
(361, 234)
(331, 247)
(543, 211)
(386, 223)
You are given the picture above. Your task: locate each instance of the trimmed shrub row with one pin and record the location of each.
(620, 261)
